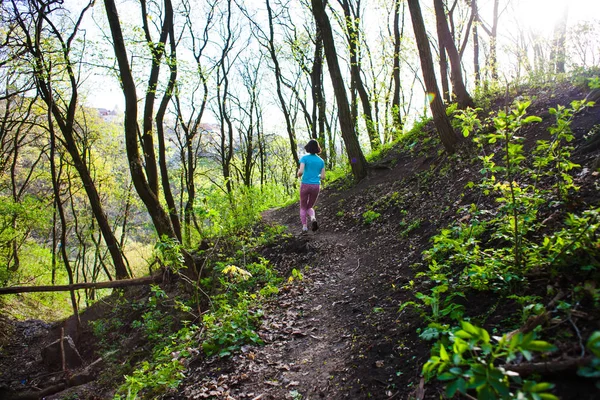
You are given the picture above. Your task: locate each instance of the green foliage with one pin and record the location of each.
(408, 228)
(171, 347)
(468, 120)
(380, 153)
(339, 177)
(230, 325)
(553, 158)
(295, 395)
(155, 322)
(418, 135)
(168, 252)
(470, 362)
(577, 243)
(220, 214)
(17, 221)
(296, 275)
(440, 306)
(592, 370)
(370, 216)
(235, 312)
(251, 277)
(493, 249)
(164, 371)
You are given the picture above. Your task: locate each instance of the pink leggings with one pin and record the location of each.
(308, 198)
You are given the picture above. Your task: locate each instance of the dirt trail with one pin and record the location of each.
(320, 351)
(333, 335)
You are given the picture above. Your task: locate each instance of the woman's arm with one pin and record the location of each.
(301, 170)
(323, 173)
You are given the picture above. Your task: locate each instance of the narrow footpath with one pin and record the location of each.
(334, 334)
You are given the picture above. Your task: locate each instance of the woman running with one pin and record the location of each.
(312, 170)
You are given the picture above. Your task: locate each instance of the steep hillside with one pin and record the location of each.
(360, 313)
(344, 332)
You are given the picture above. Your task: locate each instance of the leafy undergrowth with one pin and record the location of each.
(472, 275)
(531, 241)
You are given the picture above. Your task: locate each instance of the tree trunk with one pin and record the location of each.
(319, 107)
(560, 35)
(191, 127)
(441, 121)
(476, 23)
(494, 42)
(65, 119)
(160, 218)
(160, 114)
(157, 50)
(277, 70)
(356, 157)
(443, 69)
(396, 115)
(458, 85)
(63, 221)
(355, 72)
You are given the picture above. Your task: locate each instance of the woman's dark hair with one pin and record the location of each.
(312, 147)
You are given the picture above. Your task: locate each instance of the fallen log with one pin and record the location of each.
(549, 367)
(83, 377)
(87, 285)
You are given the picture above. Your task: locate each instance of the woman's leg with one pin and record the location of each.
(303, 203)
(313, 194)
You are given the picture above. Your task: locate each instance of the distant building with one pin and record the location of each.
(108, 115)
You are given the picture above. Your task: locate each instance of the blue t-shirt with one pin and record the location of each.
(313, 164)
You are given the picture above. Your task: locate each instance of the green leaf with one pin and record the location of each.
(547, 396)
(485, 336)
(467, 326)
(486, 393)
(593, 343)
(458, 385)
(500, 387)
(446, 376)
(463, 335)
(540, 345)
(443, 353)
(532, 118)
(541, 387)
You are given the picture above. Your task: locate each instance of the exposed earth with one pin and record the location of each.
(337, 333)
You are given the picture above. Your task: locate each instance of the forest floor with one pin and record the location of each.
(338, 333)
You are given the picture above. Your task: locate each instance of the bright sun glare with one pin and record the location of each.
(541, 16)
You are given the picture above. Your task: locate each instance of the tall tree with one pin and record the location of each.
(396, 116)
(447, 45)
(307, 73)
(476, 23)
(50, 64)
(493, 34)
(358, 163)
(190, 139)
(225, 64)
(440, 119)
(55, 174)
(443, 61)
(352, 18)
(249, 122)
(560, 36)
(270, 45)
(160, 218)
(319, 109)
(160, 121)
